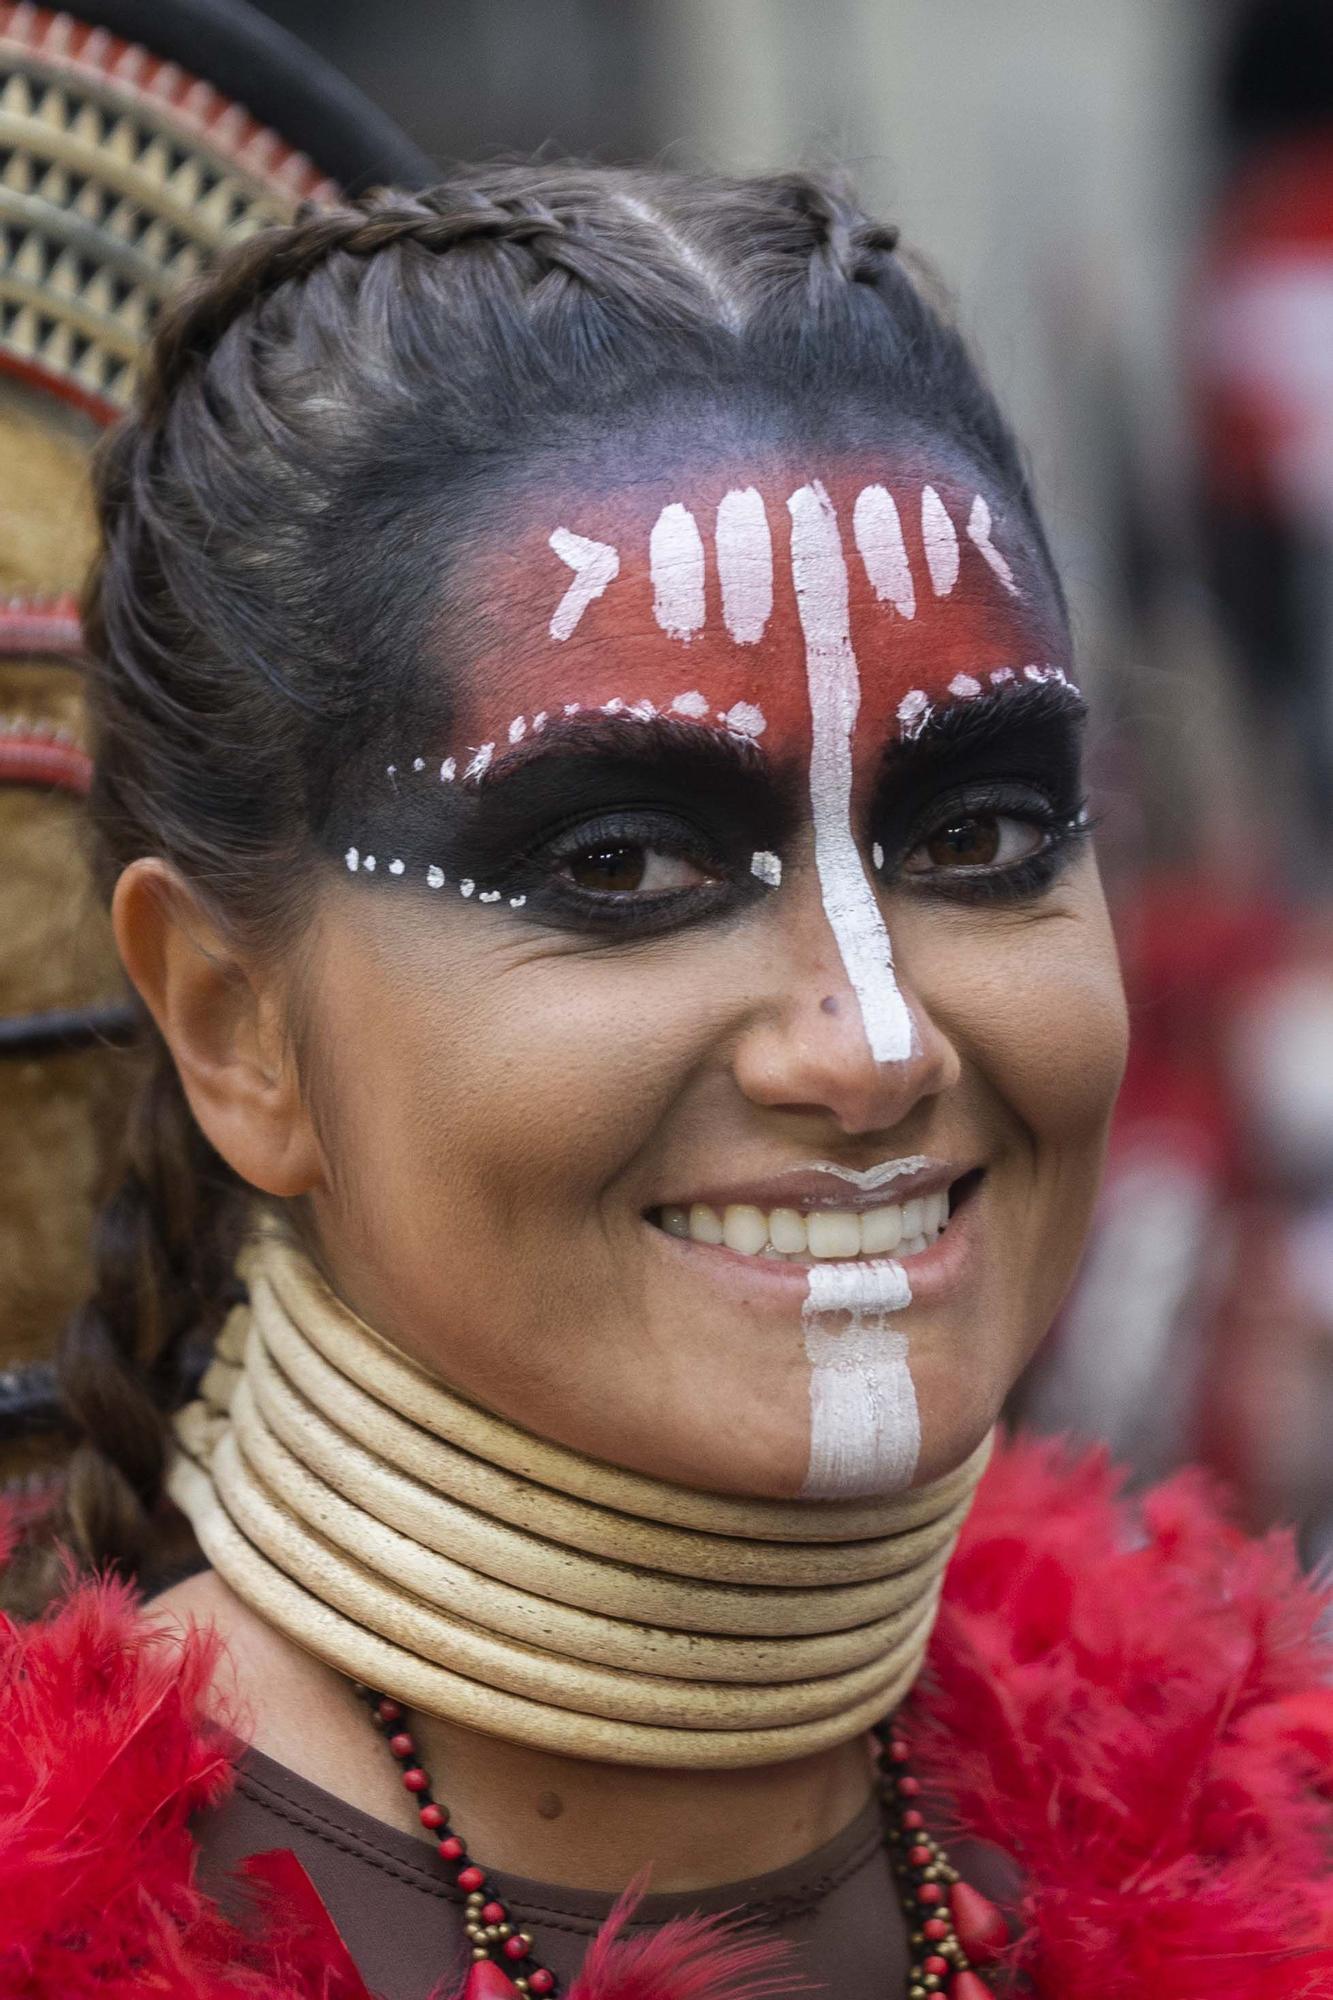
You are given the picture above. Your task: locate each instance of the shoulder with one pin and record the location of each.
(1135, 1699)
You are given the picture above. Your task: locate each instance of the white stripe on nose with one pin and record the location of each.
(819, 572)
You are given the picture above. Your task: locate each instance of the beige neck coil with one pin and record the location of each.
(486, 1576)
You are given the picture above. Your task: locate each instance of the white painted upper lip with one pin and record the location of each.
(824, 1186)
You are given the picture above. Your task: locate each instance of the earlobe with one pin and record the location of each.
(224, 1020)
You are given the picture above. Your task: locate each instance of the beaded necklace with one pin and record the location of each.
(952, 1928)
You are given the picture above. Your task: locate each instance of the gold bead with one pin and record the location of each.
(495, 1932)
(522, 1985)
(478, 1954)
(504, 1930)
(527, 1938)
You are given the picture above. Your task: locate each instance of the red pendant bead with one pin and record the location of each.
(913, 1821)
(516, 1947)
(402, 1745)
(930, 1893)
(470, 1878)
(452, 1848)
(487, 1982)
(540, 1980)
(969, 1986)
(908, 1788)
(934, 1929)
(389, 1711)
(982, 1930)
(493, 1913)
(432, 1816)
(898, 1750)
(939, 1966)
(416, 1779)
(919, 1857)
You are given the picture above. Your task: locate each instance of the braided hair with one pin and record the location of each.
(367, 379)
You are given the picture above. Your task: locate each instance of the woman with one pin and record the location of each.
(588, 784)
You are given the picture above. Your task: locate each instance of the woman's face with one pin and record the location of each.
(718, 1029)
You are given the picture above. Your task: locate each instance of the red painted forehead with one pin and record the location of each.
(683, 595)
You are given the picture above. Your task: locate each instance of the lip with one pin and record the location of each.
(782, 1283)
(815, 1188)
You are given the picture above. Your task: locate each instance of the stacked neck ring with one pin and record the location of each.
(482, 1575)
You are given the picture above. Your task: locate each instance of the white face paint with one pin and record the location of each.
(940, 541)
(676, 560)
(871, 1179)
(978, 532)
(879, 537)
(865, 1426)
(767, 867)
(595, 565)
(819, 572)
(745, 565)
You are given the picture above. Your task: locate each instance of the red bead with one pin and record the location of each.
(930, 1893)
(982, 1931)
(516, 1947)
(452, 1848)
(919, 1857)
(493, 1913)
(939, 1966)
(541, 1981)
(416, 1779)
(433, 1816)
(470, 1878)
(486, 1982)
(969, 1986)
(402, 1745)
(389, 1711)
(899, 1751)
(908, 1787)
(914, 1821)
(934, 1929)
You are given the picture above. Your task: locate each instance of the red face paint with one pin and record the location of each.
(678, 597)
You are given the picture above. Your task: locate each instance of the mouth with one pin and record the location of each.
(815, 1230)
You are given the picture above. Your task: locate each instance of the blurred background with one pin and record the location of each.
(1132, 201)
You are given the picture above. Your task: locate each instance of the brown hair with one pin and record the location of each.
(368, 378)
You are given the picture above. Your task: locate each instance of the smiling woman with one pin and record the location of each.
(589, 788)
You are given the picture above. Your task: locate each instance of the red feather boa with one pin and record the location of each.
(1135, 1702)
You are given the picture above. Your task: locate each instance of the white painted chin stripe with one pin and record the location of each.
(745, 564)
(940, 540)
(595, 564)
(865, 1425)
(819, 572)
(978, 531)
(676, 560)
(879, 538)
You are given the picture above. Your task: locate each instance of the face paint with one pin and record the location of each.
(819, 572)
(865, 1426)
(879, 540)
(676, 556)
(744, 565)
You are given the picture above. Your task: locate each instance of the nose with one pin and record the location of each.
(805, 1045)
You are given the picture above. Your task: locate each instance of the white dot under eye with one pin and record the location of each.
(435, 877)
(877, 855)
(353, 859)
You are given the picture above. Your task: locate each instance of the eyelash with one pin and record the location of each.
(648, 914)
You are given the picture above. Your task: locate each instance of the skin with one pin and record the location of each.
(504, 1101)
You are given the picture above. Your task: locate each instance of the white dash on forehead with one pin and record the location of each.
(744, 719)
(978, 533)
(964, 686)
(693, 704)
(940, 542)
(767, 867)
(518, 729)
(480, 760)
(745, 564)
(913, 710)
(819, 572)
(879, 538)
(595, 565)
(676, 560)
(865, 1424)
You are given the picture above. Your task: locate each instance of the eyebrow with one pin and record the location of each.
(1038, 715)
(661, 739)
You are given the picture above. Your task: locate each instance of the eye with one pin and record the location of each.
(625, 868)
(976, 841)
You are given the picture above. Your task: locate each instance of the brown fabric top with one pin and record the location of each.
(402, 1921)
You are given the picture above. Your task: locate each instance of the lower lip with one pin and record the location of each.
(933, 1273)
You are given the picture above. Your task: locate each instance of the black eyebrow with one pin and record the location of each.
(1030, 721)
(642, 739)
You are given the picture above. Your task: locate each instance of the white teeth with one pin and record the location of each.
(834, 1233)
(745, 1229)
(825, 1234)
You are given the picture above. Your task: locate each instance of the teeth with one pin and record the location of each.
(897, 1229)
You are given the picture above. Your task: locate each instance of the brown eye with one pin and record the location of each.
(975, 840)
(623, 869)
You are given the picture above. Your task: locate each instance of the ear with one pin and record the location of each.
(225, 1022)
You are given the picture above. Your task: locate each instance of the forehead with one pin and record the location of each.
(691, 590)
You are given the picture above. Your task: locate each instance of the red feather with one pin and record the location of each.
(1134, 1702)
